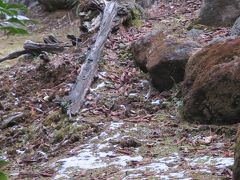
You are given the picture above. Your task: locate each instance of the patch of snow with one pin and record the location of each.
(205, 171)
(102, 146)
(115, 125)
(20, 151)
(3, 156)
(170, 159)
(14, 174)
(131, 176)
(99, 86)
(103, 134)
(219, 162)
(43, 154)
(133, 95)
(123, 107)
(100, 154)
(123, 160)
(113, 137)
(156, 102)
(177, 175)
(157, 166)
(104, 73)
(61, 176)
(222, 162)
(164, 177)
(84, 160)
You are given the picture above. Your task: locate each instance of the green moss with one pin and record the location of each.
(54, 117)
(196, 25)
(58, 136)
(137, 22)
(168, 148)
(135, 18)
(161, 117)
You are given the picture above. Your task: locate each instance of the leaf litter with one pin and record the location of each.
(126, 129)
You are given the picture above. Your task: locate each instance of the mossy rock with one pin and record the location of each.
(136, 15)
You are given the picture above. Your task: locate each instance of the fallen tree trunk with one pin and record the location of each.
(14, 55)
(39, 47)
(31, 47)
(89, 68)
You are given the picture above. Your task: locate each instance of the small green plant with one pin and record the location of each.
(11, 22)
(3, 176)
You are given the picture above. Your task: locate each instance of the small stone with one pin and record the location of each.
(122, 46)
(219, 13)
(46, 98)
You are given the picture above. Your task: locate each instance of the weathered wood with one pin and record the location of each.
(90, 67)
(14, 55)
(31, 47)
(91, 15)
(39, 47)
(14, 118)
(75, 40)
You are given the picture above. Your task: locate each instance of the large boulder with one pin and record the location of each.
(163, 58)
(52, 5)
(219, 12)
(211, 88)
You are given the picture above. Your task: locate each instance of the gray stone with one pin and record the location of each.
(219, 39)
(235, 31)
(194, 33)
(219, 12)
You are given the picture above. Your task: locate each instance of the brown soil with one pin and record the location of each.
(46, 134)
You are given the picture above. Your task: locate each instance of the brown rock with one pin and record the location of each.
(211, 88)
(163, 58)
(143, 47)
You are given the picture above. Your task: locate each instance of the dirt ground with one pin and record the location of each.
(126, 129)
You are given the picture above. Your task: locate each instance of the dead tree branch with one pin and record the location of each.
(90, 67)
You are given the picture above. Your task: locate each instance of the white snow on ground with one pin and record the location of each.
(93, 156)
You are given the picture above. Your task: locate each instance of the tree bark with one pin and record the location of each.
(90, 67)
(31, 47)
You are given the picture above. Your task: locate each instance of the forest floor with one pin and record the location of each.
(126, 129)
